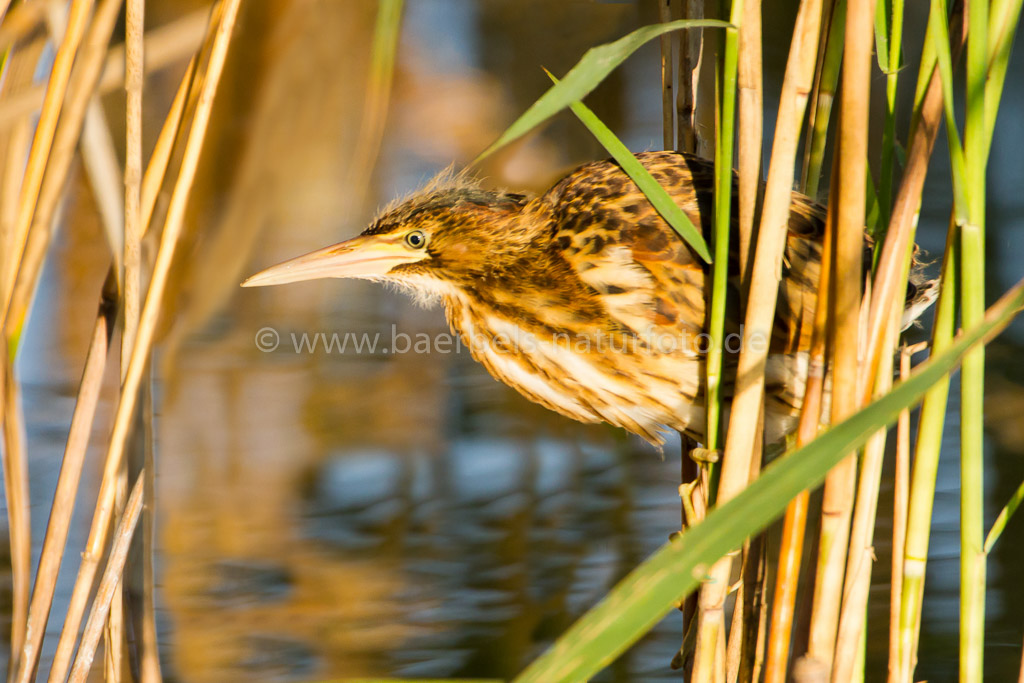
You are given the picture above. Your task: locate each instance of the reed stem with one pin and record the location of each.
(741, 438)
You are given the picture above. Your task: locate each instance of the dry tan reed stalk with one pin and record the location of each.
(901, 498)
(56, 87)
(99, 157)
(746, 626)
(861, 553)
(165, 46)
(760, 309)
(113, 630)
(756, 631)
(743, 627)
(62, 151)
(134, 68)
(734, 649)
(206, 88)
(97, 146)
(149, 655)
(10, 183)
(750, 120)
(667, 76)
(840, 484)
(67, 484)
(795, 522)
(15, 463)
(160, 159)
(14, 466)
(133, 229)
(110, 581)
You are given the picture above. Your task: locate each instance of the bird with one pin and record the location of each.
(584, 299)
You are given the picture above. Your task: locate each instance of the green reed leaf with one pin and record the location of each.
(592, 68)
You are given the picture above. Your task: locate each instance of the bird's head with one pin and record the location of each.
(437, 239)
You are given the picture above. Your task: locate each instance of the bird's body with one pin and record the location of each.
(584, 299)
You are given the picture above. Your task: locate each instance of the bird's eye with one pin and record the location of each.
(416, 239)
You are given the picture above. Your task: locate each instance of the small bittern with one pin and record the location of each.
(584, 299)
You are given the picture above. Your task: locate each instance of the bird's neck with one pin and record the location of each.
(499, 238)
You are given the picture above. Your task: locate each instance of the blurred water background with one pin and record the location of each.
(345, 514)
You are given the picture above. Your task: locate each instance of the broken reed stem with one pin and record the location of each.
(840, 484)
(16, 492)
(144, 339)
(750, 112)
(760, 312)
(32, 181)
(110, 581)
(67, 486)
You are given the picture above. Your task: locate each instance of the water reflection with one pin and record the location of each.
(343, 514)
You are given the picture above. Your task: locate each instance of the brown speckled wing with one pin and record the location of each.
(612, 236)
(608, 229)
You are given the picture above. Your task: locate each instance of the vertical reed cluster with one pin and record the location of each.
(855, 339)
(70, 119)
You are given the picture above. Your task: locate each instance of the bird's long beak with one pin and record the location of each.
(366, 256)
